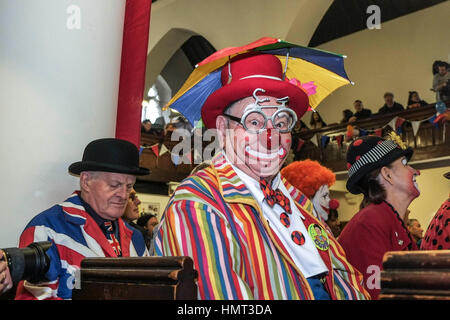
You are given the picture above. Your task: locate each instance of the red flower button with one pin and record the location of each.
(298, 238)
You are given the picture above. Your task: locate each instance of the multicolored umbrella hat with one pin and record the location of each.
(318, 72)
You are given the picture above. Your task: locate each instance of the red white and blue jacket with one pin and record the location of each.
(75, 235)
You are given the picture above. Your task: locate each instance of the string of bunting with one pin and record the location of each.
(155, 148)
(176, 159)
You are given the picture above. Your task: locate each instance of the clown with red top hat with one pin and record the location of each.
(249, 232)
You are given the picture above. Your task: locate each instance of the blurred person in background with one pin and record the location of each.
(441, 82)
(360, 111)
(333, 218)
(316, 121)
(416, 230)
(146, 126)
(132, 215)
(414, 100)
(132, 209)
(390, 105)
(346, 115)
(148, 222)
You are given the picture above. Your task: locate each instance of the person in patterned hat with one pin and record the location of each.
(437, 236)
(379, 169)
(245, 227)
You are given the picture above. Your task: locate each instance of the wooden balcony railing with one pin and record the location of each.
(162, 168)
(431, 141)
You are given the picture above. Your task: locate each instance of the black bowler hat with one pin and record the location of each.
(110, 155)
(368, 153)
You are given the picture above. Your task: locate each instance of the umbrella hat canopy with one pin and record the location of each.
(323, 72)
(219, 58)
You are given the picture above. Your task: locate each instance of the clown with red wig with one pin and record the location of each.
(314, 181)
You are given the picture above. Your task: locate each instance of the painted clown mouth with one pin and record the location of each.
(281, 153)
(415, 183)
(327, 210)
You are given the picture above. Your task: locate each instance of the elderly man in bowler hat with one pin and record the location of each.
(88, 223)
(248, 230)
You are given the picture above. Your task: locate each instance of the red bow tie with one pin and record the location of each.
(275, 196)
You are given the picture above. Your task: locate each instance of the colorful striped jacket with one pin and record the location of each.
(74, 235)
(213, 218)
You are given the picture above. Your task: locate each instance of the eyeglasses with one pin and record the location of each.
(255, 121)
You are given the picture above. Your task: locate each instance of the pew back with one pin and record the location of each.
(411, 275)
(137, 278)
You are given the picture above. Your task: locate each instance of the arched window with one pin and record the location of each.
(151, 108)
(157, 97)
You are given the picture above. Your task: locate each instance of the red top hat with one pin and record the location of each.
(248, 72)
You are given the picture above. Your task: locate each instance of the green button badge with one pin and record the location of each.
(319, 236)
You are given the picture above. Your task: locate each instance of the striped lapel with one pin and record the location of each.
(231, 186)
(297, 196)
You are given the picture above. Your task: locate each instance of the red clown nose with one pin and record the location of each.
(270, 138)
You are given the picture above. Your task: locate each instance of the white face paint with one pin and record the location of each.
(405, 163)
(321, 201)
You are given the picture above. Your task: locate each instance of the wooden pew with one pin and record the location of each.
(137, 278)
(415, 275)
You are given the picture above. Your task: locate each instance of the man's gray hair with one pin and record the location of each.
(90, 175)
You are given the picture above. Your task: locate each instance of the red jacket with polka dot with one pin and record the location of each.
(437, 236)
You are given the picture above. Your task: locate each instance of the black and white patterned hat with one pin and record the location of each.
(368, 153)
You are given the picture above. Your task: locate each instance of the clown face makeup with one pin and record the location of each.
(260, 155)
(321, 201)
(405, 177)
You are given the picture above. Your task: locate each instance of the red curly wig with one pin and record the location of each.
(308, 176)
